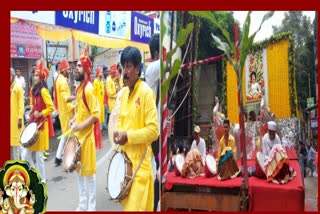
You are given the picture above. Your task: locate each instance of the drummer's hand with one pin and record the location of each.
(37, 114)
(75, 127)
(120, 137)
(19, 123)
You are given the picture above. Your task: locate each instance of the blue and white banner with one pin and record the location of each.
(115, 24)
(81, 20)
(156, 26)
(142, 27)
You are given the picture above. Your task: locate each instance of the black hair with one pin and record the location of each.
(119, 67)
(253, 73)
(226, 121)
(36, 90)
(154, 44)
(57, 66)
(105, 68)
(133, 55)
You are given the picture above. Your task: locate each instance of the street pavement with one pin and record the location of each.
(62, 187)
(311, 192)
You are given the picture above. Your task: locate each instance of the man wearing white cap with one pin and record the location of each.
(199, 143)
(270, 138)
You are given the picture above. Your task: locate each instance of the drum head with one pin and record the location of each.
(28, 133)
(261, 158)
(116, 174)
(179, 162)
(69, 153)
(211, 164)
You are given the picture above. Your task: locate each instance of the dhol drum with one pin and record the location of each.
(260, 161)
(71, 154)
(119, 176)
(29, 135)
(178, 164)
(210, 168)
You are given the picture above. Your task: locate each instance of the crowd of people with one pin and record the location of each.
(85, 115)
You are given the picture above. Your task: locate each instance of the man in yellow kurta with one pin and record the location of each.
(226, 163)
(64, 106)
(137, 129)
(16, 116)
(111, 87)
(99, 92)
(41, 109)
(87, 113)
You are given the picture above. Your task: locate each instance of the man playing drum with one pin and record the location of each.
(270, 139)
(87, 114)
(63, 104)
(226, 163)
(137, 129)
(42, 107)
(16, 116)
(199, 143)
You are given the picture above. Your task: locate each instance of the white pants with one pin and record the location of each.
(91, 190)
(15, 153)
(60, 147)
(39, 165)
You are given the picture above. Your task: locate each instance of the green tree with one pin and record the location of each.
(303, 30)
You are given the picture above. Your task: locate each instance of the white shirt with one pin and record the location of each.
(267, 143)
(201, 147)
(152, 77)
(255, 88)
(20, 81)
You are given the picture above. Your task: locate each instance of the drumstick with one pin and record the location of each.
(65, 134)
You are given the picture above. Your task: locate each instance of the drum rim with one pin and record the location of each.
(63, 157)
(124, 157)
(35, 135)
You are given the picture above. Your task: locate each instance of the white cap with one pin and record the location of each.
(197, 129)
(272, 126)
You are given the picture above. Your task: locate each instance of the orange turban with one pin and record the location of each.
(98, 71)
(43, 72)
(85, 60)
(113, 68)
(63, 65)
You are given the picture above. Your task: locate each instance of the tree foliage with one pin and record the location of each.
(302, 29)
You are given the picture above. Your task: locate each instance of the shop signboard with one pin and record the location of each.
(142, 27)
(314, 123)
(46, 17)
(87, 21)
(24, 41)
(115, 24)
(310, 102)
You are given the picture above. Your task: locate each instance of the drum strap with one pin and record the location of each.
(135, 172)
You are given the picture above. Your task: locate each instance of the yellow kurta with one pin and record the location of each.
(112, 93)
(99, 92)
(138, 116)
(65, 109)
(222, 146)
(86, 136)
(16, 113)
(42, 143)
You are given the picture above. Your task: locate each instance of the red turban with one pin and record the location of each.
(98, 71)
(85, 60)
(63, 65)
(43, 72)
(113, 68)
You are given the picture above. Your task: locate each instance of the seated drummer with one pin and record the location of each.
(270, 139)
(226, 163)
(193, 165)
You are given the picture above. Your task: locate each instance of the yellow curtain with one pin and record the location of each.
(278, 79)
(232, 94)
(53, 33)
(107, 42)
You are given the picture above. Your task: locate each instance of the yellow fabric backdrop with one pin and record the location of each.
(278, 83)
